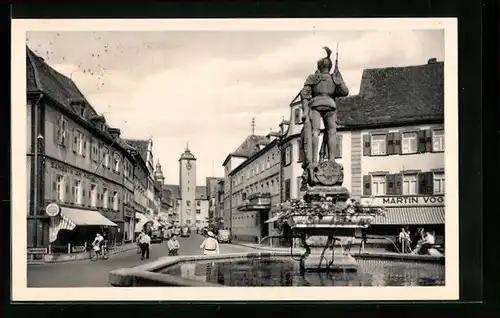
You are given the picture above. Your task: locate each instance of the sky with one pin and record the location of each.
(204, 87)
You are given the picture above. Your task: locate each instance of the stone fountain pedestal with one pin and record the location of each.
(339, 228)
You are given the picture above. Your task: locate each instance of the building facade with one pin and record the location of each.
(252, 187)
(75, 160)
(212, 184)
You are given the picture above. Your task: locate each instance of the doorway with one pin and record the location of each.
(264, 227)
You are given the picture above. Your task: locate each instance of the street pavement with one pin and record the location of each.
(85, 273)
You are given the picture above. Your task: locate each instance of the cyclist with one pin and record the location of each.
(99, 241)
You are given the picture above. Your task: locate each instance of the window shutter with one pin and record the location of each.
(389, 179)
(426, 183)
(367, 185)
(390, 143)
(74, 139)
(428, 140)
(421, 141)
(366, 145)
(57, 131)
(398, 184)
(338, 147)
(397, 143)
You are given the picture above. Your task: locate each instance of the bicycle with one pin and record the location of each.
(94, 254)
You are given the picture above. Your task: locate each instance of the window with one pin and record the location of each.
(78, 192)
(438, 140)
(198, 211)
(287, 189)
(198, 203)
(106, 158)
(268, 163)
(198, 221)
(105, 198)
(188, 211)
(115, 201)
(288, 155)
(410, 184)
(378, 185)
(95, 150)
(409, 142)
(188, 221)
(378, 145)
(79, 142)
(116, 164)
(60, 188)
(438, 183)
(62, 131)
(298, 115)
(188, 203)
(93, 195)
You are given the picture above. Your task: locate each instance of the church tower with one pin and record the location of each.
(159, 174)
(187, 185)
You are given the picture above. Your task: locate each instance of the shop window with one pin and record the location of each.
(410, 184)
(378, 185)
(438, 183)
(409, 143)
(438, 140)
(378, 145)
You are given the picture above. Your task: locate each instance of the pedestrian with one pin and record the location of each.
(405, 241)
(173, 246)
(210, 245)
(145, 242)
(139, 248)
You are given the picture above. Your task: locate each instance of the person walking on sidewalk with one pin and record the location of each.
(210, 245)
(145, 241)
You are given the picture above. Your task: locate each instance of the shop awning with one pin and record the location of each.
(82, 217)
(69, 218)
(416, 215)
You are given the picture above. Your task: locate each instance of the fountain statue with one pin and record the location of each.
(326, 208)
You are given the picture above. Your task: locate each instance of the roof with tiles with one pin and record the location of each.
(141, 146)
(396, 95)
(187, 155)
(174, 189)
(250, 146)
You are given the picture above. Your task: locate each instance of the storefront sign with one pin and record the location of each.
(67, 169)
(52, 209)
(403, 200)
(78, 249)
(37, 250)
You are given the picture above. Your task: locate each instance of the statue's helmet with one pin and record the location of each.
(326, 62)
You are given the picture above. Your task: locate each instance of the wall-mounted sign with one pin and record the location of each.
(52, 209)
(404, 200)
(67, 169)
(37, 250)
(78, 249)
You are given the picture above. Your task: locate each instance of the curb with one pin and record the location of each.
(77, 257)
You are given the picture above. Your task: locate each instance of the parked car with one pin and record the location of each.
(224, 236)
(156, 236)
(185, 231)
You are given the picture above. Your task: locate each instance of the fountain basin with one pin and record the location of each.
(278, 269)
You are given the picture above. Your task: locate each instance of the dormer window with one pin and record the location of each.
(82, 111)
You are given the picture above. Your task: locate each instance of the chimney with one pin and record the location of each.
(432, 60)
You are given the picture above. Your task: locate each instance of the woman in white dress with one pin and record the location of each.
(210, 245)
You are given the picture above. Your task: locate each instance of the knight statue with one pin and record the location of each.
(318, 103)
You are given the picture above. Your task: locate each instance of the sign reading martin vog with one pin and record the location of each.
(52, 209)
(404, 200)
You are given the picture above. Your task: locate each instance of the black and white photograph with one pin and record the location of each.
(271, 156)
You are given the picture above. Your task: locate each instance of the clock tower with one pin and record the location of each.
(187, 185)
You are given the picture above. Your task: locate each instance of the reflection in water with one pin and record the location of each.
(284, 272)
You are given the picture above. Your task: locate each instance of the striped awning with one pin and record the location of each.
(69, 218)
(414, 215)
